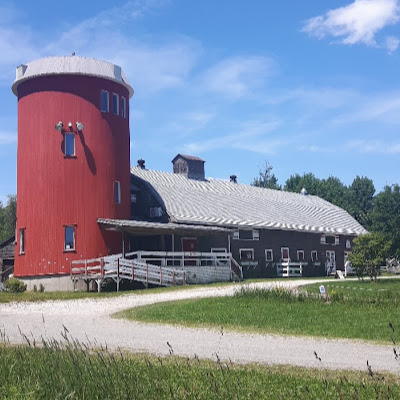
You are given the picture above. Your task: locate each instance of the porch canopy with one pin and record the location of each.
(157, 228)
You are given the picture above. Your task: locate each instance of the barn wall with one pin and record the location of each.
(54, 190)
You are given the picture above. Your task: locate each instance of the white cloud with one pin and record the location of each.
(391, 44)
(190, 122)
(374, 147)
(7, 138)
(250, 136)
(238, 76)
(358, 22)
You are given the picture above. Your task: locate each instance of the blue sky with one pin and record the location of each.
(312, 86)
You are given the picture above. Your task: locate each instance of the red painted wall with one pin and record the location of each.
(54, 191)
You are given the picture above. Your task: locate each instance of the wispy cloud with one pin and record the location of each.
(374, 147)
(391, 44)
(7, 138)
(359, 22)
(250, 136)
(238, 76)
(191, 122)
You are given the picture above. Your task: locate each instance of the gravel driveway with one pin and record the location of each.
(89, 320)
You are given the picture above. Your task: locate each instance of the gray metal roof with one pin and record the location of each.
(70, 65)
(223, 203)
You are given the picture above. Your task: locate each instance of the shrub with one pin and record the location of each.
(41, 288)
(14, 285)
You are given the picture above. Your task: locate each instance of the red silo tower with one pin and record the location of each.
(73, 164)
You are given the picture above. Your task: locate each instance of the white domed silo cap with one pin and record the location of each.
(70, 65)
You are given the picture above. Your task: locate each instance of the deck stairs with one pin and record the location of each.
(157, 268)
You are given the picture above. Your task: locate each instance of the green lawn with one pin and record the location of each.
(57, 371)
(351, 313)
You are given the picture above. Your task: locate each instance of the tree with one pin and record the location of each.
(333, 190)
(8, 217)
(360, 200)
(266, 179)
(369, 253)
(308, 181)
(385, 215)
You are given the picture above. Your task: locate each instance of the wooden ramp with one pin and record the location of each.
(157, 268)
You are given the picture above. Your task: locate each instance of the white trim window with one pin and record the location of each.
(285, 254)
(22, 241)
(115, 103)
(330, 239)
(256, 234)
(236, 235)
(348, 244)
(69, 237)
(104, 101)
(69, 144)
(269, 255)
(300, 255)
(314, 255)
(246, 254)
(123, 107)
(117, 192)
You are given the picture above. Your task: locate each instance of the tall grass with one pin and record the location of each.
(69, 369)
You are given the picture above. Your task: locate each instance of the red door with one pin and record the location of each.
(189, 245)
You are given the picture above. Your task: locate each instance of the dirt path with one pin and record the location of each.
(89, 320)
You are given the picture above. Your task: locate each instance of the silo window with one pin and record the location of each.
(123, 107)
(117, 192)
(105, 101)
(115, 98)
(69, 241)
(22, 241)
(69, 144)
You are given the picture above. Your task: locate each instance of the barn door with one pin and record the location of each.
(189, 245)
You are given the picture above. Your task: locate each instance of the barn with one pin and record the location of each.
(268, 232)
(85, 215)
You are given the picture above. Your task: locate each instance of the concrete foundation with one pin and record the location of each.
(53, 283)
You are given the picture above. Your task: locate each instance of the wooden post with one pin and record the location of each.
(160, 274)
(173, 277)
(102, 267)
(147, 275)
(133, 270)
(86, 268)
(118, 275)
(184, 277)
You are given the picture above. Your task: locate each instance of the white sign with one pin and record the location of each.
(322, 289)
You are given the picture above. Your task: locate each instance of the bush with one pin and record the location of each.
(14, 285)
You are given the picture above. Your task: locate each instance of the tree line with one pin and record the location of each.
(8, 217)
(377, 212)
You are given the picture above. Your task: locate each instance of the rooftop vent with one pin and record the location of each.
(304, 192)
(141, 163)
(190, 166)
(21, 71)
(233, 178)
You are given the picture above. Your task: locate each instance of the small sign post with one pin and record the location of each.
(324, 292)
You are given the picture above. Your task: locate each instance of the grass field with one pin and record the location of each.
(351, 313)
(72, 371)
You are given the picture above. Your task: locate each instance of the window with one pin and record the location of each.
(346, 256)
(285, 253)
(314, 256)
(123, 107)
(246, 254)
(105, 101)
(115, 98)
(22, 241)
(69, 140)
(69, 241)
(133, 198)
(117, 192)
(300, 255)
(269, 255)
(348, 244)
(329, 239)
(244, 234)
